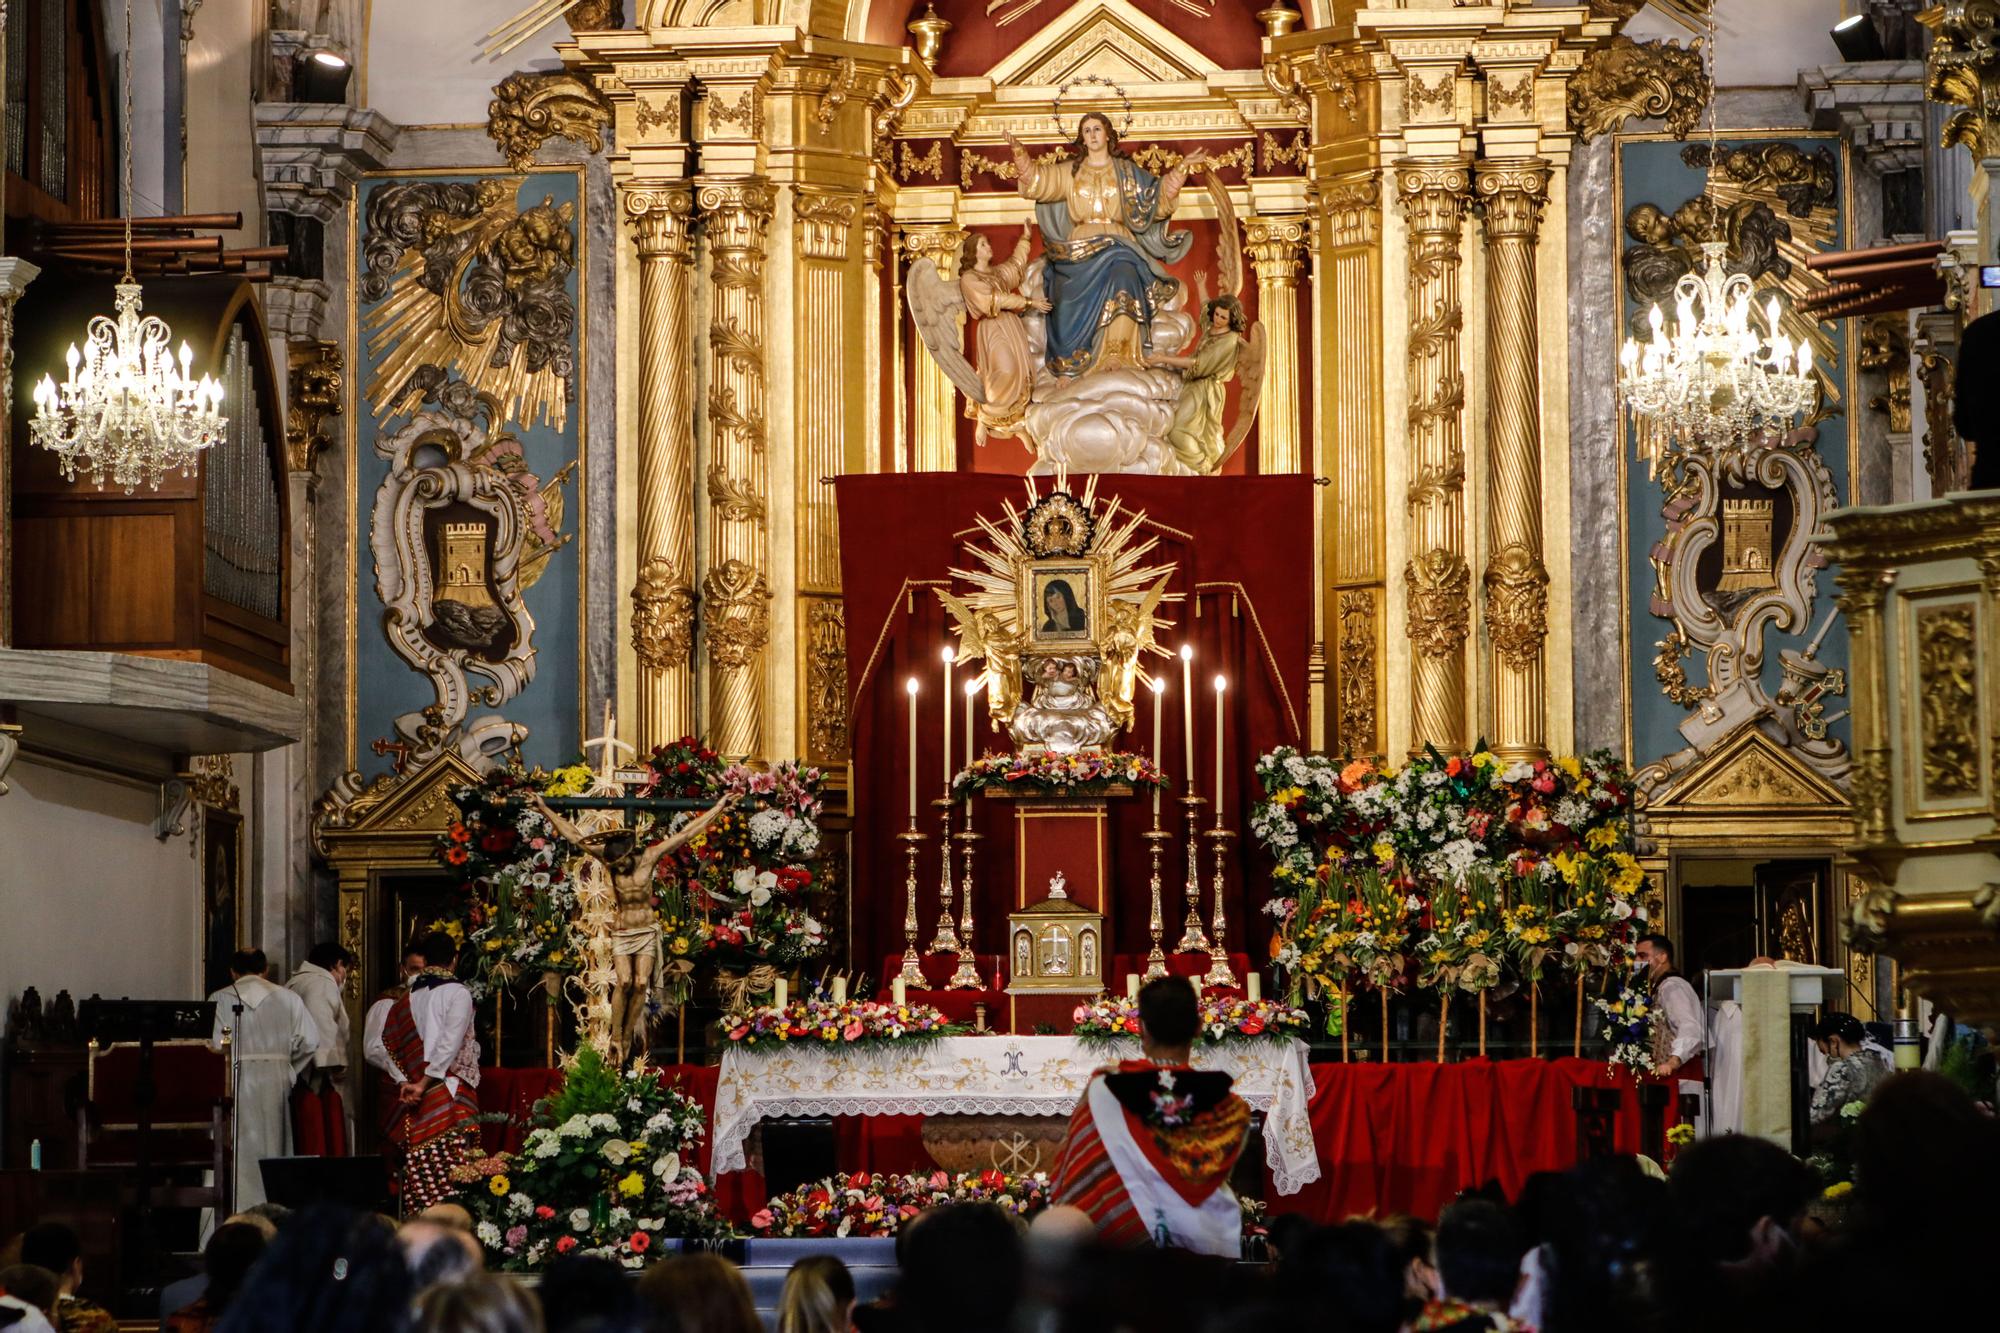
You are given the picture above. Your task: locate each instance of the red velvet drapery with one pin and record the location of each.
(1243, 547)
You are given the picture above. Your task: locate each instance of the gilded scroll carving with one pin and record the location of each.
(662, 616)
(317, 379)
(1439, 603)
(1947, 647)
(826, 682)
(530, 108)
(1885, 350)
(1517, 606)
(1944, 453)
(1627, 80)
(735, 613)
(930, 164)
(1962, 68)
(1357, 672)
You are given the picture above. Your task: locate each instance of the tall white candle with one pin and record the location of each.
(945, 755)
(910, 685)
(1221, 684)
(782, 994)
(1131, 985)
(1187, 711)
(897, 994)
(972, 689)
(1255, 981)
(1159, 688)
(840, 990)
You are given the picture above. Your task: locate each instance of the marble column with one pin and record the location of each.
(1437, 580)
(1511, 194)
(736, 590)
(1277, 248)
(934, 423)
(663, 599)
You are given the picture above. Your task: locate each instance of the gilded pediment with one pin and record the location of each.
(1752, 771)
(1107, 40)
(414, 803)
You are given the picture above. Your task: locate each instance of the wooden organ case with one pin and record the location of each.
(197, 570)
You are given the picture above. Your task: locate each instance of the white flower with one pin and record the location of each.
(635, 1106)
(652, 1223)
(1518, 771)
(619, 1217)
(661, 1119)
(604, 1122)
(1434, 778)
(743, 881)
(489, 1235)
(667, 1165)
(576, 1127)
(1620, 909)
(547, 1148)
(767, 827)
(617, 1151)
(519, 1204)
(579, 1219)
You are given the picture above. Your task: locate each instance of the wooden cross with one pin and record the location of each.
(607, 769)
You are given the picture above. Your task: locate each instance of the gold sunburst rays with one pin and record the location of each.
(442, 309)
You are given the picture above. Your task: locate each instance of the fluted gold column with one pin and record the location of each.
(824, 417)
(1277, 247)
(1436, 578)
(1349, 285)
(934, 424)
(1511, 195)
(736, 591)
(663, 600)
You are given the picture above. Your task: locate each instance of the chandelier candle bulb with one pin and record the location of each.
(1187, 710)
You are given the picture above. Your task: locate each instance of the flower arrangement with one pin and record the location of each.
(1114, 1020)
(1451, 871)
(1628, 1027)
(605, 1170)
(742, 895)
(851, 1023)
(1072, 774)
(864, 1204)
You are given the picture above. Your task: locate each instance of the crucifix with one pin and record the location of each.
(634, 943)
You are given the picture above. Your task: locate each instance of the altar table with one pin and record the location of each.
(1037, 1076)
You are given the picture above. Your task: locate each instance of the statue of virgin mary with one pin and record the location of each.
(1106, 245)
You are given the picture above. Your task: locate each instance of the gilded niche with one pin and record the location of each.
(1947, 648)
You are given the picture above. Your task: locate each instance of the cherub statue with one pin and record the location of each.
(1128, 633)
(636, 944)
(1065, 716)
(988, 634)
(996, 392)
(1197, 432)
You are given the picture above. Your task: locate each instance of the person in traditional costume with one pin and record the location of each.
(1152, 1142)
(388, 1075)
(1680, 1035)
(1104, 236)
(272, 1039)
(428, 1034)
(319, 1105)
(1196, 431)
(1852, 1070)
(1006, 362)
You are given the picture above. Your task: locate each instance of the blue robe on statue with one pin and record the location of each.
(1091, 281)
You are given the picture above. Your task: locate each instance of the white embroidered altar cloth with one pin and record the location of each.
(1041, 1076)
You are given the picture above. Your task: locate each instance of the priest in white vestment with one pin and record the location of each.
(272, 1042)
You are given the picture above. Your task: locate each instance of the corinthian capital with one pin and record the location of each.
(1433, 194)
(661, 216)
(1512, 193)
(1274, 245)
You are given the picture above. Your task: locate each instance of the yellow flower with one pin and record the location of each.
(1839, 1189)
(500, 1186)
(1569, 765)
(1385, 852)
(1604, 835)
(632, 1186)
(1566, 864)
(1681, 1135)
(1483, 758)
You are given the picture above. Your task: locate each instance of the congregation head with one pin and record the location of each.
(1169, 1014)
(248, 963)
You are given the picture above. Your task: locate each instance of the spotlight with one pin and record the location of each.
(320, 74)
(1857, 39)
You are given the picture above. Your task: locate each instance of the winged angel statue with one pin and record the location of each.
(1088, 352)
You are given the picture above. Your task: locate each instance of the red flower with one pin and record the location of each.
(459, 833)
(1454, 766)
(992, 1179)
(456, 856)
(544, 1212)
(498, 840)
(564, 1244)
(1252, 1025)
(639, 1242)
(860, 1180)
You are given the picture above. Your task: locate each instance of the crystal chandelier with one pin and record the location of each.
(1715, 378)
(127, 413)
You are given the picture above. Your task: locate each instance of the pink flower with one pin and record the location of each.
(761, 1218)
(853, 1031)
(939, 1180)
(516, 1237)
